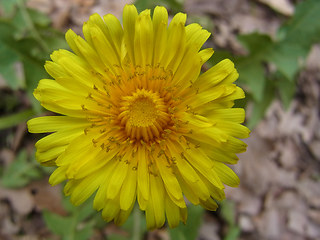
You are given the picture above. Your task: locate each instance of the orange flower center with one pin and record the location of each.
(143, 115)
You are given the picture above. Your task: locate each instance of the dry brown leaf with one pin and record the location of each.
(47, 197)
(282, 6)
(311, 191)
(44, 6)
(20, 199)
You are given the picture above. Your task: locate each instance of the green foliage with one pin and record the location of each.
(135, 226)
(294, 41)
(16, 118)
(8, 6)
(78, 225)
(250, 67)
(190, 230)
(173, 5)
(21, 171)
(227, 212)
(27, 39)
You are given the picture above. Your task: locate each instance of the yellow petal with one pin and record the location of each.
(226, 175)
(55, 123)
(110, 210)
(123, 215)
(117, 178)
(70, 37)
(156, 203)
(170, 182)
(214, 75)
(204, 165)
(58, 176)
(58, 139)
(115, 30)
(172, 213)
(128, 190)
(143, 173)
(129, 20)
(143, 42)
(209, 204)
(78, 148)
(236, 115)
(233, 129)
(160, 22)
(55, 70)
(100, 199)
(175, 44)
(205, 54)
(95, 163)
(196, 35)
(86, 187)
(107, 53)
(90, 54)
(50, 155)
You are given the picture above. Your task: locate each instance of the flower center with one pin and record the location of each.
(142, 112)
(143, 115)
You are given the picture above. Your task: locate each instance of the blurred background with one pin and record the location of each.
(275, 46)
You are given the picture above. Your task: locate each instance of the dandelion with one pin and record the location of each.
(138, 122)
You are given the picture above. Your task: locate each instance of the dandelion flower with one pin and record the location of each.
(138, 122)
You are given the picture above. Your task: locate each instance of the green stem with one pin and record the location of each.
(31, 27)
(136, 234)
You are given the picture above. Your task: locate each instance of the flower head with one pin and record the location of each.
(137, 119)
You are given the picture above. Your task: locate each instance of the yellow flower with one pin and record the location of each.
(138, 120)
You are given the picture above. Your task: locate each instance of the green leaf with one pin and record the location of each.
(173, 5)
(144, 4)
(25, 50)
(86, 210)
(296, 38)
(304, 27)
(34, 71)
(20, 172)
(190, 230)
(84, 233)
(286, 90)
(78, 225)
(135, 219)
(15, 119)
(57, 224)
(251, 68)
(8, 6)
(259, 108)
(257, 44)
(54, 39)
(83, 211)
(8, 104)
(286, 58)
(254, 77)
(8, 56)
(218, 56)
(116, 237)
(227, 211)
(233, 233)
(38, 18)
(8, 59)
